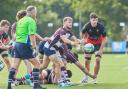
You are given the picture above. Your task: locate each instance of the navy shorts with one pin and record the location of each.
(23, 51)
(48, 51)
(41, 46)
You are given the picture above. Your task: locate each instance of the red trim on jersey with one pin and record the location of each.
(5, 41)
(97, 41)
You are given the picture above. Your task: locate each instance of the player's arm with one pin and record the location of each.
(83, 32)
(66, 40)
(41, 38)
(103, 44)
(75, 39)
(103, 33)
(32, 33)
(33, 40)
(13, 29)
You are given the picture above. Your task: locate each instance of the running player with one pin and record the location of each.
(25, 46)
(93, 32)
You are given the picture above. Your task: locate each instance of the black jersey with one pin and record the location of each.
(94, 34)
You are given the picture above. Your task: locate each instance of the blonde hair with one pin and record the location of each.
(67, 18)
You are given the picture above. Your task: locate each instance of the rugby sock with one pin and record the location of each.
(35, 75)
(11, 77)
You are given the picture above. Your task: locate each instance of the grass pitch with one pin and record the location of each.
(113, 74)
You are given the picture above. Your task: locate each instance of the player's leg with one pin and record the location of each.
(97, 66)
(6, 59)
(28, 54)
(57, 68)
(87, 66)
(28, 65)
(14, 66)
(45, 62)
(40, 57)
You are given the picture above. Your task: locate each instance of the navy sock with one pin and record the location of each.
(11, 77)
(35, 75)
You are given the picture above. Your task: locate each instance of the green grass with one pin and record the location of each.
(113, 74)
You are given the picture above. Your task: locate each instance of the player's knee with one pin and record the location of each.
(97, 61)
(36, 65)
(57, 64)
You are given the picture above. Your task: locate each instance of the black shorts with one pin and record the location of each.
(49, 76)
(23, 51)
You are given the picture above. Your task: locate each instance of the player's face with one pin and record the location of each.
(5, 28)
(69, 24)
(34, 13)
(94, 22)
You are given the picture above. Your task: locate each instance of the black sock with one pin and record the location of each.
(11, 77)
(35, 75)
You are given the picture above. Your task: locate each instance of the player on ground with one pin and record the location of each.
(93, 32)
(4, 42)
(25, 46)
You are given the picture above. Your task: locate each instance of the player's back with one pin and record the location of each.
(22, 28)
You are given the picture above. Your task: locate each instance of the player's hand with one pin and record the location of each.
(99, 52)
(74, 43)
(46, 39)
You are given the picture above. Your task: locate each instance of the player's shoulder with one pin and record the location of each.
(61, 30)
(30, 19)
(88, 24)
(27, 19)
(99, 24)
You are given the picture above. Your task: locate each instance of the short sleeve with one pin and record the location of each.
(103, 32)
(84, 29)
(32, 27)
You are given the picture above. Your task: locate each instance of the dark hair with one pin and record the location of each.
(93, 15)
(69, 72)
(30, 8)
(20, 14)
(4, 22)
